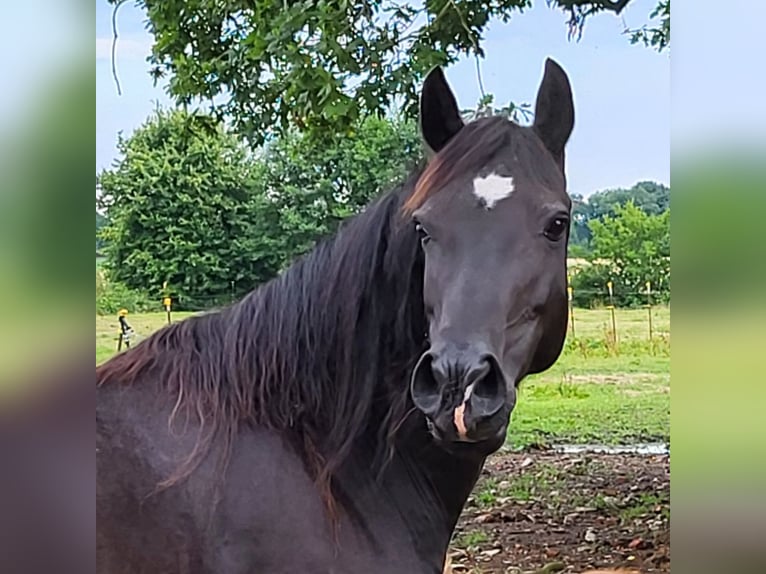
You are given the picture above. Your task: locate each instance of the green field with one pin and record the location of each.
(597, 392)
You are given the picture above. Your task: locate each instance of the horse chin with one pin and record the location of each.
(470, 446)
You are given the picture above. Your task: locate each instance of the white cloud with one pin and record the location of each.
(127, 48)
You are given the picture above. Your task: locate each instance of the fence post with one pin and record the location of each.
(570, 291)
(124, 328)
(166, 301)
(610, 288)
(649, 306)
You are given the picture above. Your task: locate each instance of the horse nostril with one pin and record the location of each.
(424, 388)
(488, 390)
(486, 383)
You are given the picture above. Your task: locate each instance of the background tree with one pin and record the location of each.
(188, 204)
(579, 234)
(324, 64)
(100, 222)
(650, 197)
(317, 184)
(629, 248)
(183, 207)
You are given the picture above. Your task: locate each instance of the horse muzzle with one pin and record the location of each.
(463, 394)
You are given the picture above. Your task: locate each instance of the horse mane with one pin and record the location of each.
(321, 353)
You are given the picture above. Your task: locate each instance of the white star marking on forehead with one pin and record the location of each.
(492, 188)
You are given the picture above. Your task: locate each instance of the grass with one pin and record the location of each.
(596, 392)
(144, 324)
(537, 484)
(644, 505)
(632, 324)
(471, 539)
(626, 410)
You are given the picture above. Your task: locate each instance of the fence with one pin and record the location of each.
(612, 334)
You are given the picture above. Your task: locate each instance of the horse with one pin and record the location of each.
(336, 418)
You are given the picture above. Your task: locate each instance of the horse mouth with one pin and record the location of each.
(488, 435)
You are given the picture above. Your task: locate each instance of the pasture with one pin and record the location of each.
(537, 511)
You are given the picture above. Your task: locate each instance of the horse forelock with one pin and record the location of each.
(472, 147)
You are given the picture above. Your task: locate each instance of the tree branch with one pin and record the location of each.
(579, 10)
(114, 46)
(475, 47)
(615, 7)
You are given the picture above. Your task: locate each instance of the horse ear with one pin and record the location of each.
(439, 115)
(554, 110)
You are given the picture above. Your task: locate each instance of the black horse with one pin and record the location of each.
(337, 418)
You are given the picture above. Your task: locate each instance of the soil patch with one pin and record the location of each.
(566, 513)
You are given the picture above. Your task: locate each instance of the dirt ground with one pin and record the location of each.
(566, 513)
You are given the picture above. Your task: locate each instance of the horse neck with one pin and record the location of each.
(422, 488)
(427, 486)
(442, 480)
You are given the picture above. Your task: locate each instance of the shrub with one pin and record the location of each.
(111, 296)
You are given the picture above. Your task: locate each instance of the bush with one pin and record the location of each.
(589, 286)
(630, 248)
(590, 290)
(637, 246)
(112, 296)
(578, 251)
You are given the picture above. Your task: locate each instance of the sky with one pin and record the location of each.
(621, 91)
(718, 82)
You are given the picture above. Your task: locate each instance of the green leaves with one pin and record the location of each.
(181, 205)
(651, 197)
(658, 35)
(316, 183)
(625, 235)
(319, 65)
(630, 248)
(189, 204)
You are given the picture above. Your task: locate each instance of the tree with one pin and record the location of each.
(658, 35)
(188, 204)
(322, 65)
(630, 248)
(183, 208)
(650, 197)
(100, 222)
(316, 185)
(579, 236)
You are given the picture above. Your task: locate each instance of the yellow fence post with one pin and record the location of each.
(570, 298)
(649, 306)
(166, 301)
(610, 288)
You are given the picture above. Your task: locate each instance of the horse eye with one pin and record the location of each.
(556, 228)
(424, 237)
